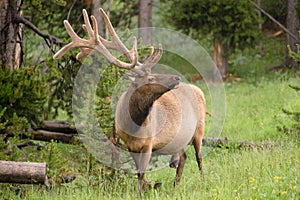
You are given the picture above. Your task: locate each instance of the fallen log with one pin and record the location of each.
(63, 132)
(223, 142)
(47, 136)
(22, 172)
(59, 126)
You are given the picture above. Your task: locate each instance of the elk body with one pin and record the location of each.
(158, 114)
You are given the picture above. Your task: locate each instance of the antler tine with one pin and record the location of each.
(153, 58)
(116, 43)
(69, 46)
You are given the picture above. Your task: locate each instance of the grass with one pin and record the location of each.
(253, 113)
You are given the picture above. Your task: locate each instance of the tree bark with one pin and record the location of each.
(95, 11)
(221, 56)
(22, 172)
(11, 34)
(292, 23)
(145, 20)
(261, 45)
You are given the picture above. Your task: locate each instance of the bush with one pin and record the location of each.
(24, 92)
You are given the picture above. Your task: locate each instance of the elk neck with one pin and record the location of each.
(140, 103)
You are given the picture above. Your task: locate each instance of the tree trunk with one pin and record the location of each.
(261, 45)
(11, 34)
(292, 23)
(221, 56)
(96, 6)
(145, 20)
(22, 172)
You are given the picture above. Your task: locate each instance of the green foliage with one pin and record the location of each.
(61, 75)
(294, 113)
(277, 9)
(295, 55)
(2, 123)
(13, 135)
(23, 92)
(48, 16)
(105, 89)
(234, 22)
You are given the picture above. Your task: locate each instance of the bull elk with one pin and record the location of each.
(158, 114)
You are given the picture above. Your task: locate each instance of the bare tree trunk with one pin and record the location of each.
(11, 34)
(96, 5)
(261, 45)
(292, 23)
(145, 20)
(221, 56)
(22, 172)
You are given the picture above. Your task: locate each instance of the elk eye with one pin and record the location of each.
(151, 79)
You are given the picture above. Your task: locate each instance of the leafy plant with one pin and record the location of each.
(229, 21)
(24, 92)
(293, 129)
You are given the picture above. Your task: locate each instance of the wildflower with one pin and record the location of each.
(251, 180)
(235, 191)
(294, 187)
(277, 178)
(283, 192)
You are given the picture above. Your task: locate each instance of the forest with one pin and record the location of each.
(65, 70)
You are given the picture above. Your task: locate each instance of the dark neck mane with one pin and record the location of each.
(140, 104)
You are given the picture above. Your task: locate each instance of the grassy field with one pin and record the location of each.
(254, 111)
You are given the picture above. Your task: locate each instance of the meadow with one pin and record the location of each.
(253, 113)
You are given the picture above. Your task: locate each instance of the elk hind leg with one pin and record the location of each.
(180, 167)
(197, 143)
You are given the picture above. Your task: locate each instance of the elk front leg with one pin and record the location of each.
(179, 169)
(141, 161)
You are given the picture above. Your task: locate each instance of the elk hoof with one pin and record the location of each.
(157, 185)
(174, 164)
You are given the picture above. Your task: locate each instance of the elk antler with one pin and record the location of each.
(102, 45)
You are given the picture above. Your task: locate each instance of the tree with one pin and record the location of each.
(292, 22)
(145, 20)
(233, 24)
(11, 34)
(96, 6)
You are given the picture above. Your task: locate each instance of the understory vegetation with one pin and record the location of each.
(255, 104)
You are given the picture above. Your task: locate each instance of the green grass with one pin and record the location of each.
(229, 174)
(253, 113)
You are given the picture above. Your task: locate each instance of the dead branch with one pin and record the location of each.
(49, 39)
